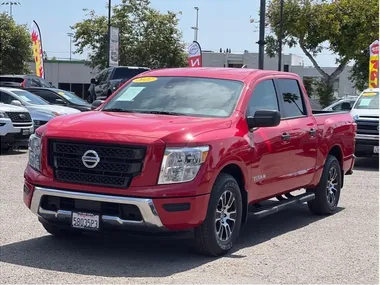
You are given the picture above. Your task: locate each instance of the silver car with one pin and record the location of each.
(40, 110)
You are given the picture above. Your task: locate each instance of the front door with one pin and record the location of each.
(270, 145)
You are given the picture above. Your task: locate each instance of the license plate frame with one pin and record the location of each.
(25, 132)
(85, 221)
(375, 149)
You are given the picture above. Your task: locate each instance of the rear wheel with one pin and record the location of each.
(219, 231)
(327, 193)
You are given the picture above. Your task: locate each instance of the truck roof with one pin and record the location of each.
(215, 72)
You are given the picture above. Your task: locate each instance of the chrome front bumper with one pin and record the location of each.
(150, 218)
(367, 137)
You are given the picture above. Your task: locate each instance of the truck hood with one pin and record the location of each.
(364, 112)
(133, 127)
(11, 108)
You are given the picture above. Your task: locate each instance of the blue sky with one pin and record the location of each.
(222, 23)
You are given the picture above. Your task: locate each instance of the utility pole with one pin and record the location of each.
(261, 41)
(70, 36)
(109, 34)
(196, 25)
(11, 3)
(280, 35)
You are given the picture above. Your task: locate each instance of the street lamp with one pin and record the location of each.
(196, 25)
(109, 33)
(11, 3)
(70, 36)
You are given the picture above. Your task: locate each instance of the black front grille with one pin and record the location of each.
(123, 211)
(19, 117)
(367, 127)
(116, 168)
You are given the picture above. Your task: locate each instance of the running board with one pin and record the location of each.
(263, 211)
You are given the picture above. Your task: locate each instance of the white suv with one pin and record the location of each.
(16, 125)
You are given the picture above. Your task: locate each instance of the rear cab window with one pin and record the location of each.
(291, 98)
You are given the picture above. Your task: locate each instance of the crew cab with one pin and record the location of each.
(189, 149)
(366, 115)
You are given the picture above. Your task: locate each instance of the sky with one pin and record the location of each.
(222, 23)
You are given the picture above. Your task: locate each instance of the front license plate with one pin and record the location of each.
(85, 221)
(25, 132)
(375, 149)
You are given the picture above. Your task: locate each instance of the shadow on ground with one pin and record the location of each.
(4, 152)
(367, 164)
(126, 256)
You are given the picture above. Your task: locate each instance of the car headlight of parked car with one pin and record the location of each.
(181, 164)
(35, 152)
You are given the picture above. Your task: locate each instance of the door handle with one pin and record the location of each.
(312, 132)
(285, 136)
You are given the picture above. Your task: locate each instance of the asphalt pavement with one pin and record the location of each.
(293, 247)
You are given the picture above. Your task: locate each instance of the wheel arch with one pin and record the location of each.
(337, 152)
(235, 171)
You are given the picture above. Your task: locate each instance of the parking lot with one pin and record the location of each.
(291, 247)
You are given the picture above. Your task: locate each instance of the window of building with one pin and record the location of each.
(263, 97)
(292, 98)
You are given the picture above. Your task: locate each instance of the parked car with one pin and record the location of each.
(60, 97)
(40, 110)
(341, 105)
(16, 126)
(366, 115)
(109, 79)
(25, 80)
(189, 149)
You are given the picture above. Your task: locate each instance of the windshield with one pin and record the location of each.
(368, 100)
(72, 98)
(200, 97)
(127, 73)
(30, 98)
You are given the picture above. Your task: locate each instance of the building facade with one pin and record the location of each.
(76, 75)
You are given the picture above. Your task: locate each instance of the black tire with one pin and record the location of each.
(324, 203)
(206, 237)
(59, 231)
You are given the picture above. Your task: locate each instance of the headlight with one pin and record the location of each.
(3, 115)
(181, 164)
(35, 152)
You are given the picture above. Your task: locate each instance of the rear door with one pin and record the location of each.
(302, 132)
(270, 156)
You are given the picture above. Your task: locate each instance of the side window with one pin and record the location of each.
(46, 95)
(292, 98)
(108, 75)
(6, 98)
(263, 97)
(34, 82)
(103, 75)
(337, 107)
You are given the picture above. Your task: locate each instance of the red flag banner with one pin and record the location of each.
(194, 55)
(374, 65)
(37, 50)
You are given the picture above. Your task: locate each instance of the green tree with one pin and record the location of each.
(147, 37)
(309, 83)
(343, 27)
(15, 46)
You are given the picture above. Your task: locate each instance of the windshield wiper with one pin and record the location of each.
(118, 110)
(162, 113)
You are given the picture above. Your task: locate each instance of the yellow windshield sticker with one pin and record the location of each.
(144, 79)
(61, 93)
(369, 94)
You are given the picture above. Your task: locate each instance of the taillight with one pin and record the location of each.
(22, 84)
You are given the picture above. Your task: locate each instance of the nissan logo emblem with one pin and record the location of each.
(90, 159)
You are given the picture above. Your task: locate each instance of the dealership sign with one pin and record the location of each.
(374, 65)
(194, 55)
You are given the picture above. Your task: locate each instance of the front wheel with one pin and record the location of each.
(219, 231)
(327, 193)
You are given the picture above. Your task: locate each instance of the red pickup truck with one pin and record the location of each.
(189, 149)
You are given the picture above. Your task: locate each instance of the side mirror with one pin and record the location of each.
(60, 102)
(346, 106)
(96, 104)
(93, 81)
(264, 118)
(16, 103)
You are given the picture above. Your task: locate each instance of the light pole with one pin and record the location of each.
(280, 36)
(109, 34)
(70, 36)
(11, 3)
(261, 41)
(196, 25)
